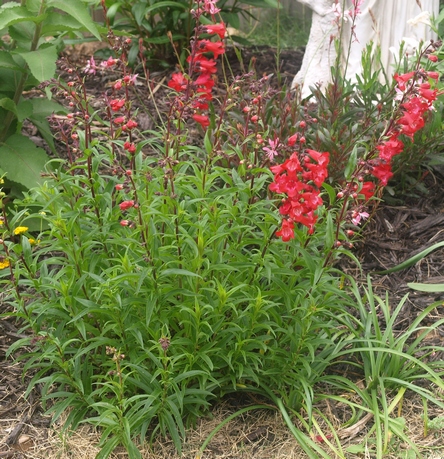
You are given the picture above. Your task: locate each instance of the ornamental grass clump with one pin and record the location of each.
(148, 272)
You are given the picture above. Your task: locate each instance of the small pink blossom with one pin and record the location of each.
(210, 7)
(91, 67)
(358, 216)
(271, 150)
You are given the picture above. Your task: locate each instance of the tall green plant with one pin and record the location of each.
(32, 33)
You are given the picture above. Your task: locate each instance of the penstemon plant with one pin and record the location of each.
(158, 281)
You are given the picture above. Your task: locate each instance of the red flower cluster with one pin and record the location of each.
(300, 179)
(417, 98)
(199, 82)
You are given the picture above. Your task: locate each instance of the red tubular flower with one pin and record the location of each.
(125, 205)
(368, 190)
(291, 178)
(402, 79)
(116, 104)
(203, 120)
(287, 230)
(119, 120)
(433, 75)
(208, 46)
(390, 148)
(129, 147)
(178, 82)
(383, 172)
(292, 140)
(218, 29)
(204, 64)
(131, 124)
(433, 57)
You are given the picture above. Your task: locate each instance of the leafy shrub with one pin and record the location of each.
(166, 26)
(157, 283)
(32, 33)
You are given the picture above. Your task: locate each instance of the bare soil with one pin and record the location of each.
(396, 233)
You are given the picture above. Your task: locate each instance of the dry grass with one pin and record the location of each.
(261, 434)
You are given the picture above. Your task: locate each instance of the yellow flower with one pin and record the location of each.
(20, 230)
(33, 241)
(4, 263)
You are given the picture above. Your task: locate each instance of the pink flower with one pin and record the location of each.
(210, 7)
(358, 216)
(271, 149)
(91, 67)
(124, 222)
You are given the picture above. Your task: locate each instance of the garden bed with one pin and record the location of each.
(397, 231)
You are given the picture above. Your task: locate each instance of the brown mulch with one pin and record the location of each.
(396, 233)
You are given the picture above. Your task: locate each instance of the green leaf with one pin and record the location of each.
(7, 62)
(16, 13)
(262, 3)
(79, 12)
(41, 62)
(22, 160)
(24, 110)
(165, 4)
(178, 272)
(351, 164)
(9, 105)
(41, 109)
(432, 288)
(413, 260)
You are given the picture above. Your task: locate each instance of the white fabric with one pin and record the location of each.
(383, 22)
